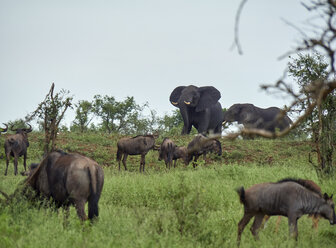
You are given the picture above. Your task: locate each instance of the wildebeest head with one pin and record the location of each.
(32, 167)
(22, 130)
(328, 209)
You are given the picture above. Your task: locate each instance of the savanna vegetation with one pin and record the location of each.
(182, 207)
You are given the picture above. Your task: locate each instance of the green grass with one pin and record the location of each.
(183, 207)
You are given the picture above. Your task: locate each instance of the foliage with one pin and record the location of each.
(18, 123)
(181, 207)
(304, 70)
(171, 123)
(50, 112)
(123, 117)
(84, 111)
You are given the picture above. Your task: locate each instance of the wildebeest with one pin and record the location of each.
(202, 145)
(69, 179)
(16, 146)
(138, 145)
(309, 184)
(166, 152)
(180, 152)
(290, 198)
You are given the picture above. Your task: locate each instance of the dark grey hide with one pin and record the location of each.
(287, 198)
(201, 145)
(166, 152)
(138, 145)
(16, 146)
(69, 179)
(199, 107)
(180, 152)
(253, 117)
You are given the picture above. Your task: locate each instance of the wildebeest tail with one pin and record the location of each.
(241, 193)
(170, 151)
(119, 154)
(95, 190)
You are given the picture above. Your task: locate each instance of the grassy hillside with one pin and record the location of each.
(183, 207)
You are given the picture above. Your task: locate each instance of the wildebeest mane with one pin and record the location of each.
(303, 183)
(146, 135)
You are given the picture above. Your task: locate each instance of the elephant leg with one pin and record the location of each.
(203, 122)
(218, 129)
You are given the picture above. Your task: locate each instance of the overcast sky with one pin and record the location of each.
(141, 48)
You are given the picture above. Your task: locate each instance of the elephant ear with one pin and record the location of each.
(175, 95)
(208, 96)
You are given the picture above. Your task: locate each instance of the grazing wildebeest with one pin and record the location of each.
(286, 198)
(68, 179)
(166, 152)
(138, 145)
(3, 130)
(309, 184)
(180, 152)
(16, 145)
(202, 145)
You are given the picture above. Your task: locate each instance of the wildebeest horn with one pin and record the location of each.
(4, 129)
(28, 130)
(14, 130)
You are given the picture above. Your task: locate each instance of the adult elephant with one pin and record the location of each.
(199, 107)
(253, 117)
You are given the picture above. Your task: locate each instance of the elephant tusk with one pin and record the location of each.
(174, 103)
(188, 103)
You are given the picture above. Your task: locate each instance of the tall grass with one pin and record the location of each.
(182, 207)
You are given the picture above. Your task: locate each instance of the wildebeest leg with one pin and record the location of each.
(175, 163)
(195, 161)
(265, 220)
(7, 161)
(277, 224)
(241, 225)
(142, 162)
(292, 223)
(258, 219)
(80, 207)
(124, 160)
(315, 219)
(15, 163)
(24, 161)
(66, 214)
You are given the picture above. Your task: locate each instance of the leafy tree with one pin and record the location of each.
(320, 123)
(118, 117)
(304, 70)
(84, 115)
(50, 113)
(171, 123)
